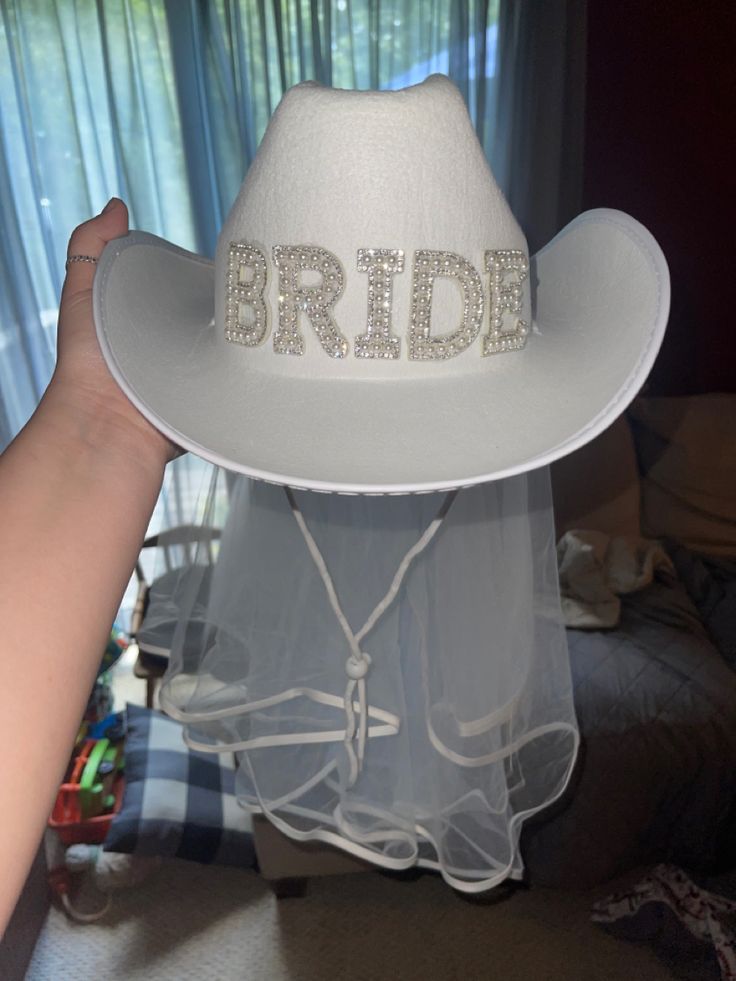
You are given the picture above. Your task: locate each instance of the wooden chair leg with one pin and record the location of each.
(150, 691)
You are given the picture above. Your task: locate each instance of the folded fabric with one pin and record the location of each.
(178, 802)
(595, 569)
(667, 901)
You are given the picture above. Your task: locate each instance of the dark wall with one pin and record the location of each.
(661, 106)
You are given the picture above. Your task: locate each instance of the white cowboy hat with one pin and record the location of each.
(372, 322)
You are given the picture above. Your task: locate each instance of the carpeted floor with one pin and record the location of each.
(217, 924)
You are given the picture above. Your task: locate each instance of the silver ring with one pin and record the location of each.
(81, 258)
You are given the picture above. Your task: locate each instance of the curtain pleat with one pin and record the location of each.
(537, 96)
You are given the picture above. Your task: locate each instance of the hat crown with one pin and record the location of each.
(350, 171)
(402, 165)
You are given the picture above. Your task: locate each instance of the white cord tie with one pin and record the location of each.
(357, 664)
(357, 669)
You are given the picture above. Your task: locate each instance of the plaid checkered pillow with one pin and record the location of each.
(178, 802)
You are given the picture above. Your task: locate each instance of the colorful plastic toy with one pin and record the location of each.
(91, 794)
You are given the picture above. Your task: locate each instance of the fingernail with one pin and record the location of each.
(110, 204)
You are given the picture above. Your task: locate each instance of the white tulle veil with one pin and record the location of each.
(391, 672)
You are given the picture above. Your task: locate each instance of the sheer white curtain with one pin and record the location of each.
(538, 99)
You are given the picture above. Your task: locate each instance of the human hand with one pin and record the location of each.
(82, 382)
(78, 486)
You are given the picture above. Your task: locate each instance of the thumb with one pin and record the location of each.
(88, 241)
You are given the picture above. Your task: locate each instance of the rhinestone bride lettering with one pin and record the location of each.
(423, 346)
(247, 312)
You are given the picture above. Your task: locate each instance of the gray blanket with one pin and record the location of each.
(711, 583)
(656, 777)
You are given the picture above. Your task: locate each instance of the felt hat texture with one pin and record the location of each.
(372, 321)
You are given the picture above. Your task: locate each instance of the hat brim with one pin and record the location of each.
(600, 296)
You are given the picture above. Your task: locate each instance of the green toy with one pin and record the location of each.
(95, 785)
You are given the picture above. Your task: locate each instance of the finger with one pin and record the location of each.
(89, 239)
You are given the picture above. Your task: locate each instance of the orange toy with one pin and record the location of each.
(92, 794)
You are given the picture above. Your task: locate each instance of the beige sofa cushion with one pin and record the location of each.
(687, 455)
(596, 488)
